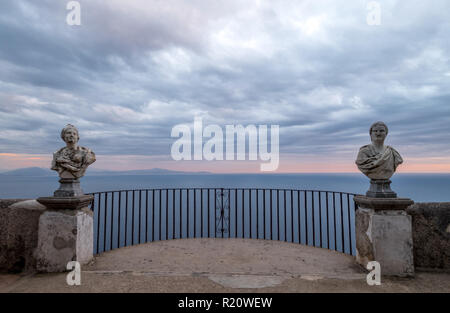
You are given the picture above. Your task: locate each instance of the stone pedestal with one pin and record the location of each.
(68, 187)
(64, 236)
(384, 234)
(380, 188)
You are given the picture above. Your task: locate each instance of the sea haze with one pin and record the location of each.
(419, 187)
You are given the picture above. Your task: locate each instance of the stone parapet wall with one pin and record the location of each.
(4, 220)
(431, 235)
(4, 203)
(19, 234)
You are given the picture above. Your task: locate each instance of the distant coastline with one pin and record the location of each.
(44, 172)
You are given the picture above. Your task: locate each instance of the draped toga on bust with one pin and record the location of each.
(377, 165)
(72, 162)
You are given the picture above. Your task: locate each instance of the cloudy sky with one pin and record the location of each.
(134, 69)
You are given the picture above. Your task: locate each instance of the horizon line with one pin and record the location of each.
(216, 173)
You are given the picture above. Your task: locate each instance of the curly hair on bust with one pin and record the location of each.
(69, 126)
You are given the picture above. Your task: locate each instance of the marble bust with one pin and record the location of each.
(71, 163)
(376, 160)
(72, 160)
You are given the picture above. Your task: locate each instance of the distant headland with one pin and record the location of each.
(43, 172)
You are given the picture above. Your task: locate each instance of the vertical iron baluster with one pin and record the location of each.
(305, 195)
(126, 218)
(285, 213)
(112, 222)
(243, 217)
(320, 218)
(118, 219)
(173, 213)
(229, 213)
(215, 208)
(187, 213)
(153, 215)
(195, 211)
(92, 208)
(250, 211)
(209, 214)
(132, 221)
(104, 231)
(257, 213)
(328, 224)
(313, 219)
(264, 213)
(140, 216)
(146, 215)
(181, 213)
(235, 213)
(334, 219)
(201, 212)
(160, 217)
(278, 213)
(271, 213)
(349, 225)
(98, 222)
(292, 216)
(167, 214)
(342, 224)
(298, 216)
(222, 210)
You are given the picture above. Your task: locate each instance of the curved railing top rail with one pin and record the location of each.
(226, 188)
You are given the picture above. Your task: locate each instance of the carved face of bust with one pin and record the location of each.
(71, 136)
(378, 133)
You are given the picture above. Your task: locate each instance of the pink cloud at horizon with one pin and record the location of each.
(11, 161)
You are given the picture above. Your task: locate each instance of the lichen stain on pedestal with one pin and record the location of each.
(60, 243)
(364, 249)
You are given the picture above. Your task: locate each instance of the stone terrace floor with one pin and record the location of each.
(222, 266)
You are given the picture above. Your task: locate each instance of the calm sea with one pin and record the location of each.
(113, 230)
(419, 187)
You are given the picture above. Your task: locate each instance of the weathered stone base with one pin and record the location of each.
(385, 236)
(64, 236)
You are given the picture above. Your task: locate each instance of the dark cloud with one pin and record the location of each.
(132, 71)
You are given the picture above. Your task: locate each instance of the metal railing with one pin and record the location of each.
(316, 218)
